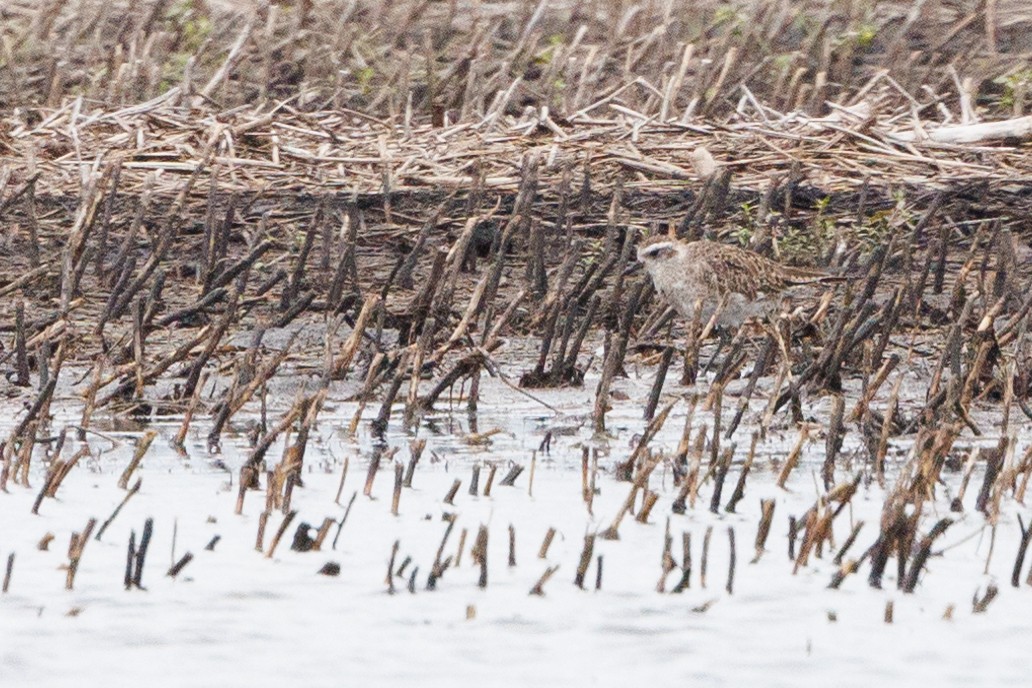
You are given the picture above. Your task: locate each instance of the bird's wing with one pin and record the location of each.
(739, 271)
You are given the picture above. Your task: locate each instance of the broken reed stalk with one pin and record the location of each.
(114, 514)
(980, 604)
(585, 560)
(374, 467)
(705, 555)
(344, 518)
(56, 473)
(530, 480)
(399, 471)
(833, 441)
(238, 397)
(848, 543)
(75, 549)
(491, 470)
(179, 441)
(625, 470)
(390, 567)
(720, 474)
(538, 588)
(168, 232)
(441, 564)
(279, 533)
(690, 481)
(21, 355)
(731, 563)
(343, 475)
(657, 386)
(616, 350)
(130, 558)
(1019, 559)
(8, 571)
(452, 491)
(546, 543)
(686, 563)
(649, 499)
(322, 533)
(510, 478)
(585, 495)
(640, 481)
(762, 363)
(793, 457)
(479, 554)
(763, 531)
(177, 567)
(739, 492)
(512, 545)
(416, 448)
(924, 550)
(141, 449)
(667, 563)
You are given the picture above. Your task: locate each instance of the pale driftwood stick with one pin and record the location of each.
(1017, 128)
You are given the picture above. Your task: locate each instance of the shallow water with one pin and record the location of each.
(235, 616)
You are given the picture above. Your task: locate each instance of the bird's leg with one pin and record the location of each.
(724, 338)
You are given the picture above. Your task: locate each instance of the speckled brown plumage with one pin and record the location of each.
(749, 284)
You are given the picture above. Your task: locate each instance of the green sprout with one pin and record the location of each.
(1013, 84)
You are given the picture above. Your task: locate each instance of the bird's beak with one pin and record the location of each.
(632, 269)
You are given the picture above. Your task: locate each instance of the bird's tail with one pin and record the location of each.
(797, 276)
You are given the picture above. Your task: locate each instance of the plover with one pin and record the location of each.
(743, 284)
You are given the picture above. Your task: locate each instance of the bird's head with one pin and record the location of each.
(658, 251)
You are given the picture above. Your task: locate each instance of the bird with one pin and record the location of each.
(740, 283)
